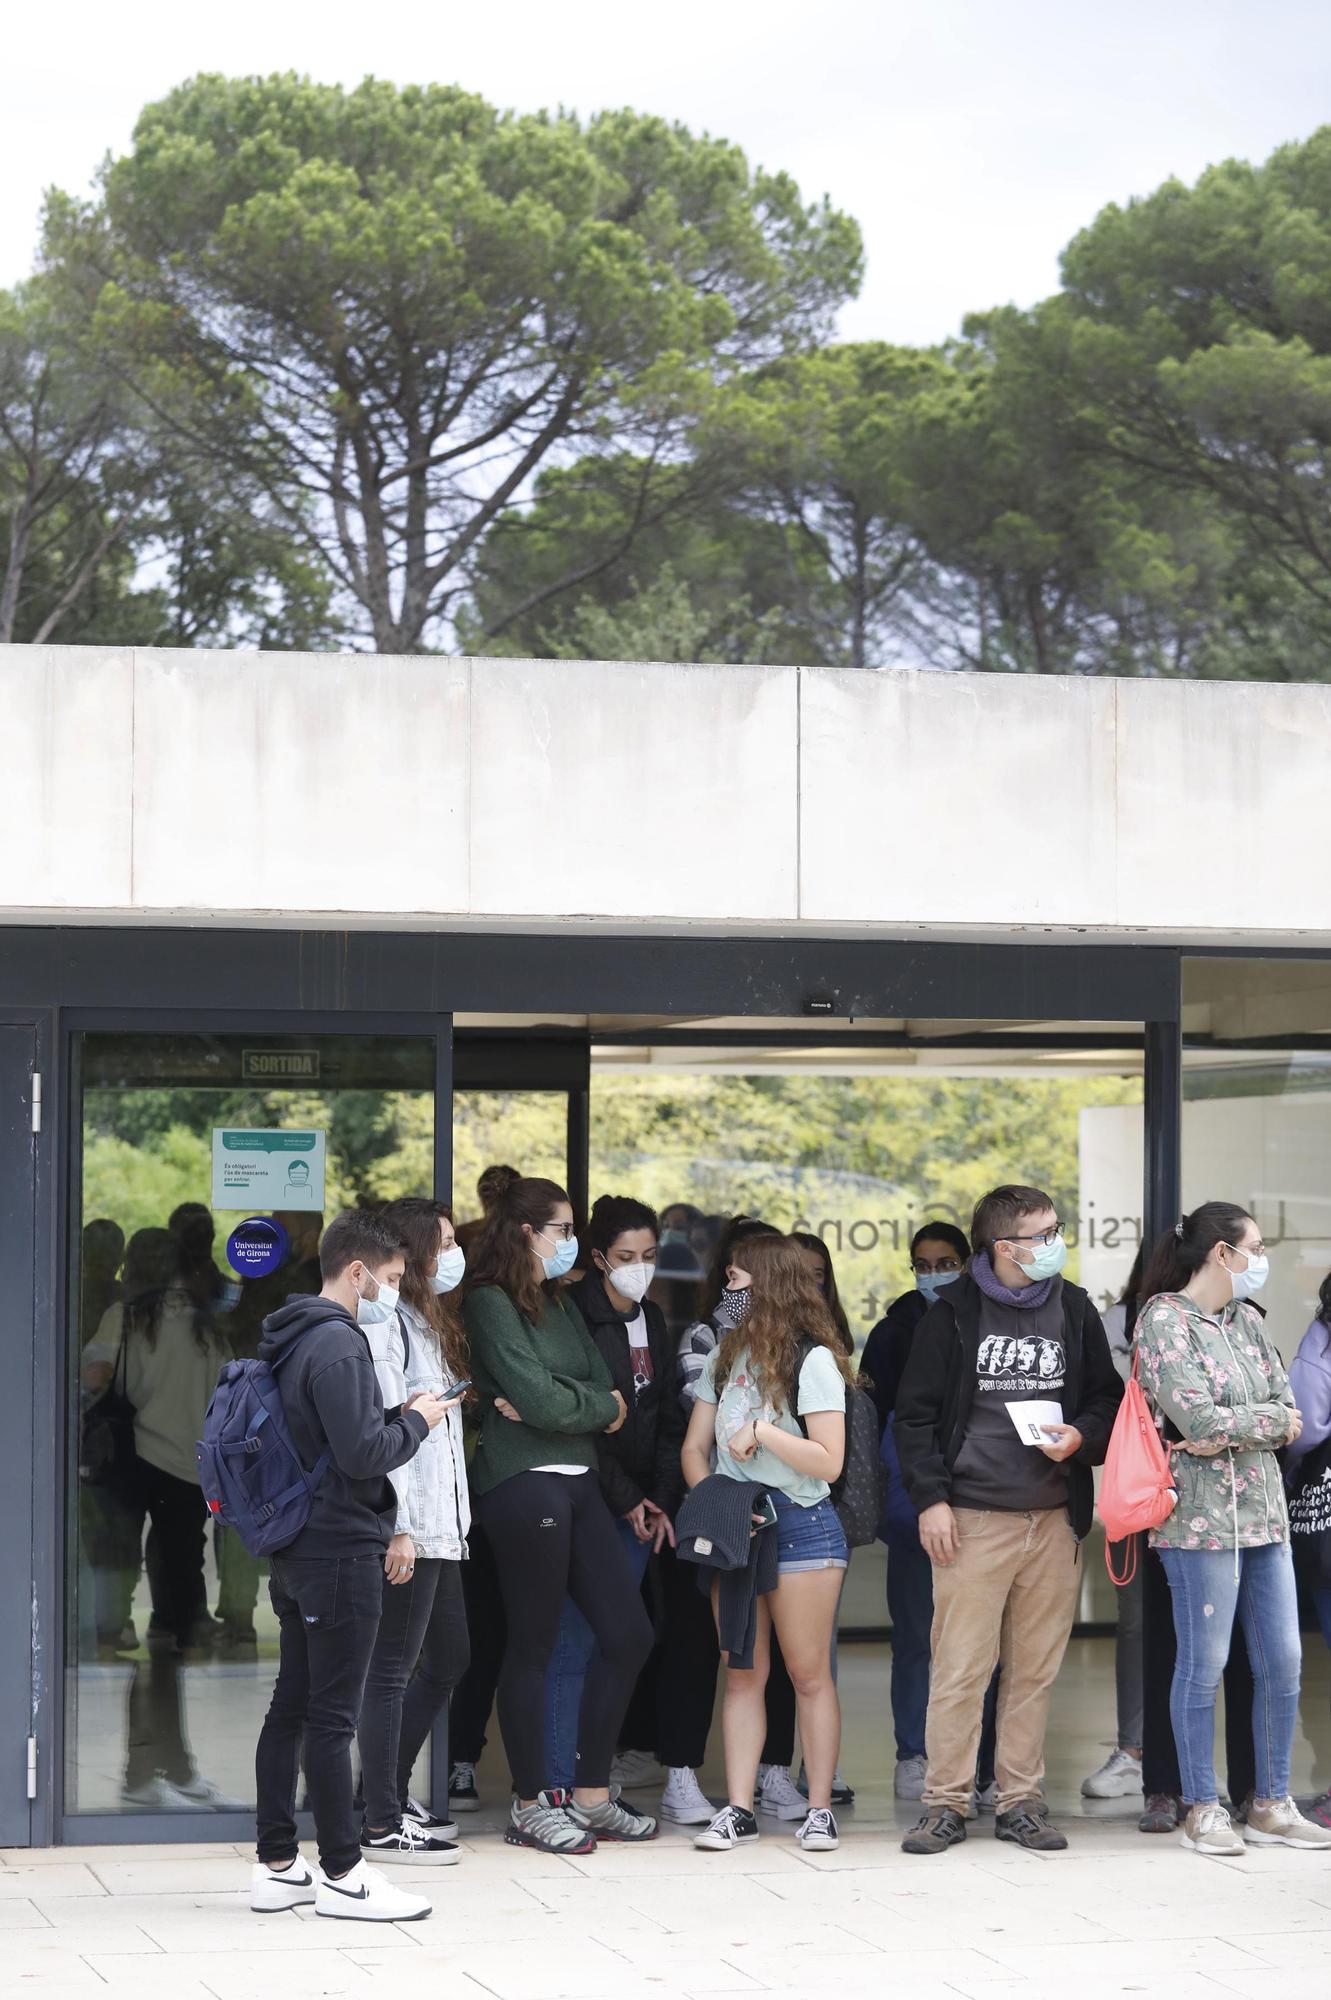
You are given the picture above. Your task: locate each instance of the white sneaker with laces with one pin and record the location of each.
(1119, 1777)
(910, 1776)
(683, 1799)
(818, 1835)
(281, 1888)
(365, 1896)
(1209, 1830)
(632, 1769)
(778, 1796)
(1281, 1824)
(202, 1792)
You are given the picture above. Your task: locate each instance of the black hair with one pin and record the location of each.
(1131, 1294)
(941, 1232)
(1182, 1250)
(612, 1214)
(1324, 1301)
(808, 1241)
(357, 1236)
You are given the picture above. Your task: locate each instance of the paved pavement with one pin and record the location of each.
(1117, 1914)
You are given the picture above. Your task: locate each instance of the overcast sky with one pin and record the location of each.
(971, 138)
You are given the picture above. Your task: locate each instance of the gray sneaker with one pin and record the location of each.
(1283, 1825)
(908, 1781)
(548, 1825)
(1208, 1830)
(612, 1820)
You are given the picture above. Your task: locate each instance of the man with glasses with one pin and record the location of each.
(1006, 1404)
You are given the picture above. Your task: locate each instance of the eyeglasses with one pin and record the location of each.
(938, 1270)
(1046, 1236)
(564, 1229)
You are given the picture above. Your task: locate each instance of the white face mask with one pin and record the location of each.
(632, 1280)
(374, 1312)
(1252, 1279)
(449, 1269)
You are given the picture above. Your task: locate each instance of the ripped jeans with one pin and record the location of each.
(1207, 1596)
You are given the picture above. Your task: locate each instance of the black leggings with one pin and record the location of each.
(419, 1657)
(553, 1536)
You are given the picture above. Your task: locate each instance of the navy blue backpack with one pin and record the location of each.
(251, 1476)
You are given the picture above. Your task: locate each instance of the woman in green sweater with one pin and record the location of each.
(546, 1397)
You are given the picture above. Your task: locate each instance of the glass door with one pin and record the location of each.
(183, 1138)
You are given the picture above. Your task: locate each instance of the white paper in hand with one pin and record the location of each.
(1029, 1420)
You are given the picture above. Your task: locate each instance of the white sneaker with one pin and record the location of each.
(683, 1799)
(632, 1769)
(1209, 1830)
(818, 1835)
(204, 1795)
(910, 1776)
(778, 1796)
(1283, 1825)
(1119, 1777)
(158, 1794)
(281, 1888)
(368, 1897)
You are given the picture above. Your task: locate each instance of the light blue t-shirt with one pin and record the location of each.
(821, 1387)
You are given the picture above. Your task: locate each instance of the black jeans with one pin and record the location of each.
(469, 1711)
(424, 1626)
(1160, 1771)
(553, 1536)
(328, 1617)
(155, 1734)
(686, 1671)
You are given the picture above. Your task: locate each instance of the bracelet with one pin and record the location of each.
(756, 1445)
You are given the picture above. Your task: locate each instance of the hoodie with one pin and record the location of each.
(330, 1397)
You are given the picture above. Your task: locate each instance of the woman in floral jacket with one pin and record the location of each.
(1222, 1391)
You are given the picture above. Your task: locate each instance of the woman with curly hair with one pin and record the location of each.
(771, 1404)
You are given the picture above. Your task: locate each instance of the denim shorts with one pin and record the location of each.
(808, 1537)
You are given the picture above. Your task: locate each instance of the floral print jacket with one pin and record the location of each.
(1218, 1377)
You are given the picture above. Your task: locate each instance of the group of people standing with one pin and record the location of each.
(601, 1442)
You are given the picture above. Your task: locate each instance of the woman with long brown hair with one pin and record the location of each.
(417, 1342)
(547, 1399)
(771, 1404)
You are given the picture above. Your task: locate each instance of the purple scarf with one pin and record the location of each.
(1029, 1297)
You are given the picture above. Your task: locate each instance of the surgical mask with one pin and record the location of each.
(565, 1257)
(448, 1270)
(1048, 1260)
(374, 1312)
(633, 1280)
(734, 1306)
(931, 1283)
(675, 1236)
(1247, 1282)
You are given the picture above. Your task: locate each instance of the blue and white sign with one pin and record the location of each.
(268, 1169)
(258, 1247)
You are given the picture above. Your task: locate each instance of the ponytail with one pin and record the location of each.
(1180, 1253)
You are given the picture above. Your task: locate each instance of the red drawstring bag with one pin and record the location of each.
(1137, 1487)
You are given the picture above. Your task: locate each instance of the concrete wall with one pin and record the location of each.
(189, 785)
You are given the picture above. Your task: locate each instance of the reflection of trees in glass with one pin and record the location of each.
(527, 1129)
(858, 1159)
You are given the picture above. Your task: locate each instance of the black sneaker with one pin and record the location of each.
(733, 1826)
(1029, 1827)
(462, 1793)
(429, 1822)
(412, 1844)
(940, 1829)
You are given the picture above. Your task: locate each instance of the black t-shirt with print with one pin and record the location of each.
(1022, 1358)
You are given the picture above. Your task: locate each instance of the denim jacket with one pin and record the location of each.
(1218, 1377)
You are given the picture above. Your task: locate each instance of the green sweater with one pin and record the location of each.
(553, 1375)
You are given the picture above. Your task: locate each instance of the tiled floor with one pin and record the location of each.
(1119, 1913)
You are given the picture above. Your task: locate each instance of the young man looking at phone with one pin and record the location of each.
(1005, 1497)
(327, 1585)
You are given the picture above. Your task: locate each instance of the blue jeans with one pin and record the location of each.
(568, 1669)
(1206, 1596)
(910, 1606)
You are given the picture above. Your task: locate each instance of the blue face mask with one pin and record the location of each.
(931, 1283)
(565, 1257)
(1047, 1261)
(1252, 1279)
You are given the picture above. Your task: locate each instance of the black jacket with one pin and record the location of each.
(641, 1460)
(938, 1388)
(330, 1397)
(887, 1350)
(716, 1531)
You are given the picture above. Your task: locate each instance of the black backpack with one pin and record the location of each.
(858, 1493)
